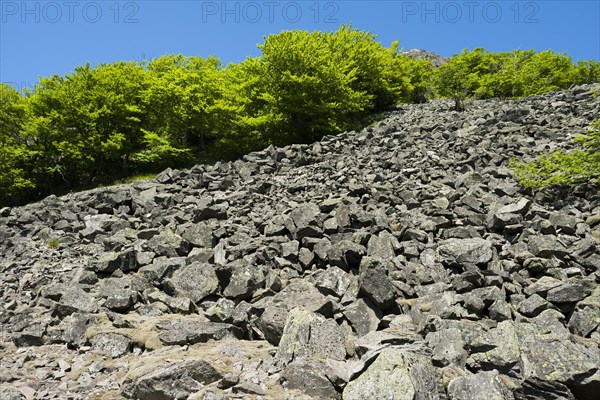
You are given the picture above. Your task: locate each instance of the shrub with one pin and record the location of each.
(562, 168)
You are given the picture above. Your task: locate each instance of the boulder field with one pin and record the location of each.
(399, 262)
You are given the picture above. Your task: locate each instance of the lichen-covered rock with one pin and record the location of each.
(181, 332)
(465, 251)
(310, 336)
(308, 376)
(116, 345)
(481, 386)
(194, 281)
(245, 281)
(298, 294)
(388, 377)
(177, 381)
(375, 283)
(554, 358)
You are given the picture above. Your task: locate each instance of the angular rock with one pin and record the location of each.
(75, 299)
(375, 283)
(181, 332)
(567, 293)
(309, 378)
(535, 389)
(333, 281)
(485, 385)
(194, 281)
(346, 254)
(363, 317)
(117, 345)
(554, 358)
(107, 263)
(9, 392)
(200, 235)
(305, 221)
(533, 305)
(298, 294)
(168, 244)
(177, 381)
(457, 252)
(388, 377)
(309, 336)
(245, 281)
(383, 246)
(586, 316)
(496, 349)
(546, 246)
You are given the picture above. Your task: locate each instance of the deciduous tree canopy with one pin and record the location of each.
(101, 123)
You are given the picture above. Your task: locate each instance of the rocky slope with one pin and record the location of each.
(399, 262)
(419, 54)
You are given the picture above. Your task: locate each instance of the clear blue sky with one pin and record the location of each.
(41, 38)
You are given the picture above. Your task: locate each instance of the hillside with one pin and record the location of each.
(399, 262)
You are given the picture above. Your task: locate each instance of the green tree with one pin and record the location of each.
(87, 124)
(15, 181)
(544, 72)
(243, 116)
(309, 85)
(318, 83)
(587, 72)
(460, 77)
(180, 101)
(412, 78)
(564, 168)
(481, 74)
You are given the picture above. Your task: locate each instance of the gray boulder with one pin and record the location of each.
(457, 252)
(375, 283)
(176, 381)
(75, 299)
(363, 316)
(194, 281)
(298, 294)
(485, 385)
(245, 280)
(181, 332)
(308, 376)
(309, 336)
(388, 377)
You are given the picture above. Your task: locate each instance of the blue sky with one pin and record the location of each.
(41, 38)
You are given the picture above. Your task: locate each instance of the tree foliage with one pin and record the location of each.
(15, 180)
(101, 123)
(480, 74)
(562, 168)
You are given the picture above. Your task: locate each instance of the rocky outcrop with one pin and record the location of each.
(399, 262)
(419, 54)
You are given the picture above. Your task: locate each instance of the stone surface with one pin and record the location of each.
(465, 251)
(177, 381)
(309, 378)
(189, 331)
(481, 386)
(194, 281)
(388, 376)
(308, 335)
(402, 260)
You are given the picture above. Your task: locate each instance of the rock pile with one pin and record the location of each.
(419, 54)
(399, 262)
